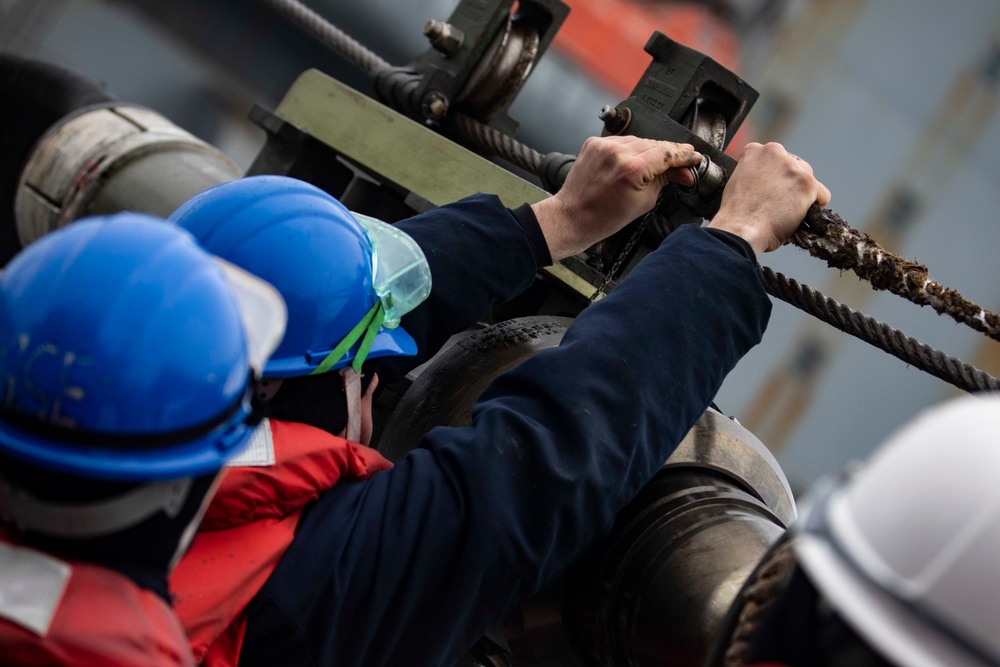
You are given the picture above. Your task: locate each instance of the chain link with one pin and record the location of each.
(629, 245)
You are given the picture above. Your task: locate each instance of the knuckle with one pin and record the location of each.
(632, 169)
(774, 148)
(590, 144)
(750, 148)
(600, 146)
(804, 179)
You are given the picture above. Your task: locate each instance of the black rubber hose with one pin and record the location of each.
(34, 95)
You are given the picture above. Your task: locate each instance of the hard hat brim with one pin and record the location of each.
(199, 456)
(388, 343)
(155, 448)
(884, 622)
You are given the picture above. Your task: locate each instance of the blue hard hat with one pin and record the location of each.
(124, 354)
(333, 269)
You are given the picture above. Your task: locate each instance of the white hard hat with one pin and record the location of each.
(907, 549)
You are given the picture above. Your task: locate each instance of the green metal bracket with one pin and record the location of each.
(394, 148)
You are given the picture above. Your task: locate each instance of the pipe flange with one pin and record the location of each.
(719, 443)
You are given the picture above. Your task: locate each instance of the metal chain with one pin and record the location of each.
(623, 255)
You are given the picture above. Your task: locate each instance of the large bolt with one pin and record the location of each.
(444, 37)
(434, 105)
(615, 119)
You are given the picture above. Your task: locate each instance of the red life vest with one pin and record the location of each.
(83, 616)
(249, 525)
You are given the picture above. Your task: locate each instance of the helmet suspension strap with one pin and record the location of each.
(368, 326)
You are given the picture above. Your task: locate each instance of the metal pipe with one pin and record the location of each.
(33, 96)
(110, 159)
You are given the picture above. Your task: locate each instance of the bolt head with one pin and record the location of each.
(615, 119)
(434, 105)
(438, 108)
(444, 37)
(433, 28)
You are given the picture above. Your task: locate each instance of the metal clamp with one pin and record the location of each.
(708, 177)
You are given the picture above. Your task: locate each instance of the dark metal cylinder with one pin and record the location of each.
(656, 591)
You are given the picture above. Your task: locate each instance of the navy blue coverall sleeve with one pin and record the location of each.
(411, 566)
(480, 255)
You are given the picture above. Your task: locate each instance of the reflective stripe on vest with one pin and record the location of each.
(84, 616)
(31, 585)
(249, 525)
(259, 450)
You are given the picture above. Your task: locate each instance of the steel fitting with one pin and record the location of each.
(708, 177)
(434, 106)
(445, 38)
(616, 119)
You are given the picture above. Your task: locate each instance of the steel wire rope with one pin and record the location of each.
(768, 580)
(501, 144)
(825, 235)
(329, 35)
(877, 334)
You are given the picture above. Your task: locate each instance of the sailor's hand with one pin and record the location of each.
(768, 195)
(613, 181)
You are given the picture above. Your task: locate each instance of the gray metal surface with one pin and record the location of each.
(658, 589)
(719, 443)
(109, 160)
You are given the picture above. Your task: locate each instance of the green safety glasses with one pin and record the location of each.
(402, 280)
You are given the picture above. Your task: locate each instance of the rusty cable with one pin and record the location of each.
(824, 235)
(827, 236)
